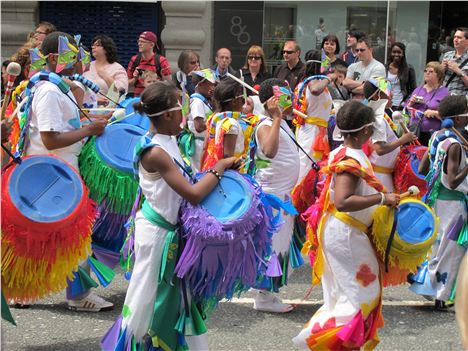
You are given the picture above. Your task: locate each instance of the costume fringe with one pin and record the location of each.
(106, 183)
(405, 165)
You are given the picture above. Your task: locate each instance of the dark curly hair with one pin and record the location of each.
(453, 105)
(157, 97)
(266, 88)
(227, 89)
(109, 47)
(353, 115)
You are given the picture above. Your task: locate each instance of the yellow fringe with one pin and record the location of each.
(402, 255)
(26, 280)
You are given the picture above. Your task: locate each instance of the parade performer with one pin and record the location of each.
(52, 124)
(386, 145)
(230, 130)
(313, 99)
(343, 257)
(153, 304)
(446, 168)
(192, 140)
(277, 170)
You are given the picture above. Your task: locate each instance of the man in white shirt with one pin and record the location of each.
(366, 68)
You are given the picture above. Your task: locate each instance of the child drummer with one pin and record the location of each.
(55, 128)
(385, 144)
(446, 165)
(152, 305)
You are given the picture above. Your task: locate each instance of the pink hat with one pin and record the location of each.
(150, 36)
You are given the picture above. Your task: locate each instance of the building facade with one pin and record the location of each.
(426, 28)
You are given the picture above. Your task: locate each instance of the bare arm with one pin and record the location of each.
(229, 144)
(317, 87)
(199, 123)
(383, 148)
(168, 78)
(268, 136)
(424, 164)
(455, 176)
(352, 84)
(347, 201)
(57, 140)
(157, 160)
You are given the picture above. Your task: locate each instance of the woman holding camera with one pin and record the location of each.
(424, 102)
(105, 69)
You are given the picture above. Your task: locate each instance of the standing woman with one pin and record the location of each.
(401, 76)
(255, 69)
(105, 70)
(187, 62)
(331, 46)
(425, 100)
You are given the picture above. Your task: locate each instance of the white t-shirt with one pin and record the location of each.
(359, 72)
(52, 111)
(198, 109)
(397, 95)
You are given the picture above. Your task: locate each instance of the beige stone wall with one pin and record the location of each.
(18, 19)
(189, 25)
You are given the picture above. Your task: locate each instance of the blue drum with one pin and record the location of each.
(228, 236)
(135, 119)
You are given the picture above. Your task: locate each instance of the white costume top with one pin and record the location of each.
(317, 106)
(198, 109)
(362, 188)
(236, 129)
(281, 175)
(52, 111)
(162, 198)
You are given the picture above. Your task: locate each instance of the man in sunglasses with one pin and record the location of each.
(366, 68)
(293, 68)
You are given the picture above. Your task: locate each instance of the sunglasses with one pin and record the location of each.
(289, 52)
(255, 58)
(360, 50)
(194, 62)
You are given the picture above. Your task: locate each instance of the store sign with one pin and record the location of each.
(237, 26)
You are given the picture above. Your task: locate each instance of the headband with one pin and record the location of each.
(357, 129)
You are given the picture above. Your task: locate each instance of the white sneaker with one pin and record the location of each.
(91, 303)
(268, 302)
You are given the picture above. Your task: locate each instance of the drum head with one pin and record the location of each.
(45, 189)
(230, 199)
(116, 145)
(416, 223)
(136, 119)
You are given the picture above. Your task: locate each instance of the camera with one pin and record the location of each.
(140, 71)
(419, 99)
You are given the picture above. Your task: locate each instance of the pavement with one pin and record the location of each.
(410, 322)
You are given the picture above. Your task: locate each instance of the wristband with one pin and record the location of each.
(216, 174)
(382, 199)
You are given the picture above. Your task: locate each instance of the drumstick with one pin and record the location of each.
(297, 112)
(462, 138)
(119, 115)
(25, 99)
(412, 190)
(13, 70)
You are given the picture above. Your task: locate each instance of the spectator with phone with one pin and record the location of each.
(147, 59)
(423, 103)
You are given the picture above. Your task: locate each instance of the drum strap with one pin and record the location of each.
(346, 218)
(390, 238)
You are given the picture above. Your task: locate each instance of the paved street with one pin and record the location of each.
(411, 323)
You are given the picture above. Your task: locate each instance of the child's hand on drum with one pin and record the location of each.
(231, 162)
(96, 127)
(392, 199)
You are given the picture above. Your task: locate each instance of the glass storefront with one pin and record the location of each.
(310, 22)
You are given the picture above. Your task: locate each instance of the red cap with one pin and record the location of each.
(150, 36)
